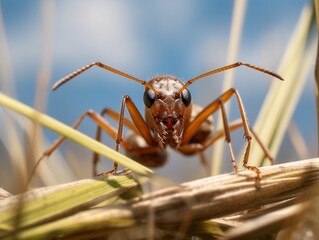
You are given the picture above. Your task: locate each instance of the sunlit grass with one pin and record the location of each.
(282, 98)
(73, 135)
(234, 43)
(271, 126)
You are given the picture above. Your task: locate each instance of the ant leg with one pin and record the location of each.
(227, 134)
(138, 124)
(194, 126)
(101, 122)
(192, 148)
(233, 126)
(54, 146)
(115, 116)
(246, 133)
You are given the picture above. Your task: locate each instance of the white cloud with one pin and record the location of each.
(97, 30)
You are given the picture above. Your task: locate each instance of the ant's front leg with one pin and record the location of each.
(111, 131)
(195, 125)
(134, 144)
(200, 147)
(116, 134)
(138, 126)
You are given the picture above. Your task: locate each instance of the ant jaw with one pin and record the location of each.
(169, 123)
(169, 131)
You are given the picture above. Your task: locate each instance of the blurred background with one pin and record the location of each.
(43, 41)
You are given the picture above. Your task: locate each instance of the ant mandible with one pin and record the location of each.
(170, 119)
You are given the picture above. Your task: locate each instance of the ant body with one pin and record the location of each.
(171, 119)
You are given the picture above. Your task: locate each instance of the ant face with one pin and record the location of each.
(167, 108)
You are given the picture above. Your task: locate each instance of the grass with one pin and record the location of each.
(234, 40)
(203, 208)
(282, 98)
(22, 215)
(73, 135)
(229, 206)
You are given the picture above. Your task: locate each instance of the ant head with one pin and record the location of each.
(166, 88)
(165, 108)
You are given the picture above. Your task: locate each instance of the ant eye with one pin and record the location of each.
(149, 98)
(186, 97)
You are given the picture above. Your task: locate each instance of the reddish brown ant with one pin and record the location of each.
(170, 119)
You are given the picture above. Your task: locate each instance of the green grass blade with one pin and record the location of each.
(282, 98)
(42, 205)
(238, 18)
(73, 135)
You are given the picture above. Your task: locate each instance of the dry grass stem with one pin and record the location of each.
(237, 196)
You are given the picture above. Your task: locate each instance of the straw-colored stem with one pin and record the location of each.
(234, 40)
(213, 197)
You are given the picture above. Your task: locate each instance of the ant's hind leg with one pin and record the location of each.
(94, 116)
(213, 107)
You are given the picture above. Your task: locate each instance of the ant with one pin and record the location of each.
(170, 119)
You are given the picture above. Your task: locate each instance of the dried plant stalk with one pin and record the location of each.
(180, 207)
